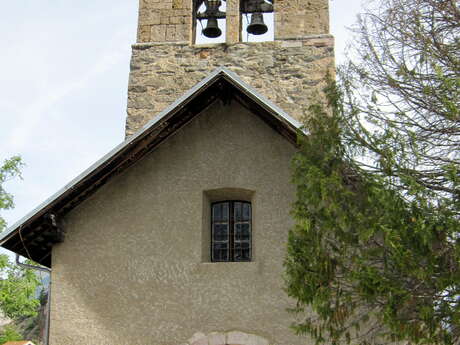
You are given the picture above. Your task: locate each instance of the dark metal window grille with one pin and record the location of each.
(231, 231)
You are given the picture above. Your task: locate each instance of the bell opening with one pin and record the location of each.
(257, 25)
(212, 29)
(256, 30)
(209, 29)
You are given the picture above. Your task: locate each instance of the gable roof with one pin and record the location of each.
(34, 235)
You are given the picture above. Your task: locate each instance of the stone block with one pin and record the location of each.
(164, 19)
(301, 18)
(135, 120)
(257, 340)
(174, 20)
(158, 33)
(293, 19)
(216, 338)
(165, 5)
(233, 29)
(170, 33)
(291, 44)
(237, 338)
(202, 341)
(287, 72)
(177, 4)
(198, 338)
(143, 4)
(182, 32)
(182, 12)
(232, 7)
(187, 4)
(143, 33)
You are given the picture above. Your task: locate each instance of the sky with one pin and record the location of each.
(64, 69)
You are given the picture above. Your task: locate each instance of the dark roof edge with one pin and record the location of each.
(219, 72)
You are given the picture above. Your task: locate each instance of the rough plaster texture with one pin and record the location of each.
(291, 73)
(132, 270)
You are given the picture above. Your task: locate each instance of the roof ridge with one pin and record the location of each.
(153, 132)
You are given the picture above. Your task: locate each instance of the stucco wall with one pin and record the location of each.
(132, 269)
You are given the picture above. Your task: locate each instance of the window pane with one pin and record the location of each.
(242, 211)
(242, 251)
(231, 237)
(225, 211)
(217, 212)
(220, 232)
(220, 252)
(242, 232)
(237, 209)
(220, 212)
(246, 211)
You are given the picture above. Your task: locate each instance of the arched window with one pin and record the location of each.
(231, 231)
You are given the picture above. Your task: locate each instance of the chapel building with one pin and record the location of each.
(178, 235)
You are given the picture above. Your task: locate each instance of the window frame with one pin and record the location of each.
(231, 230)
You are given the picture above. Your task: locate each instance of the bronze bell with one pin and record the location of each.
(212, 29)
(257, 26)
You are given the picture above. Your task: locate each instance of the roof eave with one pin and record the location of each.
(44, 208)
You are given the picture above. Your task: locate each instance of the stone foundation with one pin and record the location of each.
(288, 72)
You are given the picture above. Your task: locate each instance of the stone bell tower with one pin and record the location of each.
(166, 61)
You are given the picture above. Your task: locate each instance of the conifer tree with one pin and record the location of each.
(374, 256)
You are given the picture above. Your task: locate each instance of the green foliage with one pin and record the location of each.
(10, 169)
(369, 263)
(17, 290)
(375, 253)
(9, 333)
(374, 256)
(17, 285)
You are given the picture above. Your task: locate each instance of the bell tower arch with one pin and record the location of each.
(166, 61)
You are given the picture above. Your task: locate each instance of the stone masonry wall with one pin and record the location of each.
(164, 20)
(288, 72)
(298, 18)
(171, 20)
